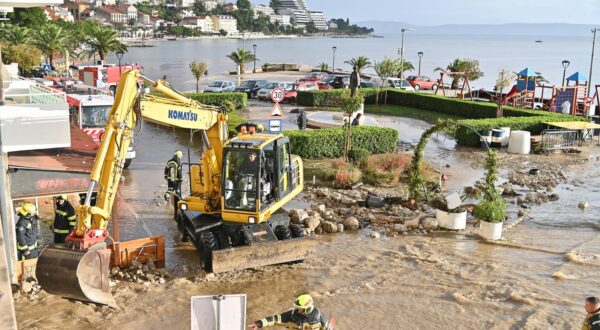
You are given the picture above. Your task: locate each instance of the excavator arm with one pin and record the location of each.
(79, 269)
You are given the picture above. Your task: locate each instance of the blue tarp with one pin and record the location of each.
(577, 77)
(527, 72)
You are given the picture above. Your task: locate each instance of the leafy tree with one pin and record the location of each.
(360, 62)
(540, 79)
(244, 5)
(275, 4)
(388, 67)
(261, 24)
(468, 66)
(241, 57)
(324, 67)
(311, 28)
(50, 40)
(244, 15)
(199, 8)
(350, 104)
(33, 17)
(223, 32)
(103, 40)
(14, 34)
(131, 23)
(198, 69)
(343, 26)
(506, 78)
(27, 56)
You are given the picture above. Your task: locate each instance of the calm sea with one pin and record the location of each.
(171, 58)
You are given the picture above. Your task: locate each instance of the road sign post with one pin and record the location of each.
(276, 125)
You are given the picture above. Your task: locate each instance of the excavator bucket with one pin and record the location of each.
(263, 254)
(76, 274)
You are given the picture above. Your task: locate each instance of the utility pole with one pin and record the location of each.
(592, 61)
(402, 54)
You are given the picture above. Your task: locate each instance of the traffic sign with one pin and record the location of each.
(275, 125)
(277, 112)
(104, 79)
(277, 95)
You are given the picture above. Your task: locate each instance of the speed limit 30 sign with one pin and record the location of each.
(277, 95)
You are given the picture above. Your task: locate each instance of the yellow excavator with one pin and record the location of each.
(236, 187)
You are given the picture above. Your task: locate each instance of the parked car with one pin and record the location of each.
(251, 87)
(314, 76)
(220, 86)
(367, 84)
(43, 82)
(323, 85)
(264, 93)
(422, 82)
(400, 84)
(292, 94)
(340, 82)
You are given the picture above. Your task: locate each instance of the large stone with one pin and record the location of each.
(329, 227)
(312, 223)
(429, 223)
(412, 223)
(351, 223)
(340, 228)
(399, 228)
(298, 216)
(348, 201)
(26, 287)
(583, 205)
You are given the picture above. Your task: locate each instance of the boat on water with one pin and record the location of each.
(539, 41)
(376, 36)
(171, 38)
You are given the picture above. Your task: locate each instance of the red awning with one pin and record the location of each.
(78, 158)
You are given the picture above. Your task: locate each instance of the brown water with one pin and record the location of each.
(536, 279)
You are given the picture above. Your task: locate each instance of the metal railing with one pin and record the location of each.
(553, 140)
(36, 95)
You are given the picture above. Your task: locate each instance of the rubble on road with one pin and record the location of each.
(146, 274)
(28, 289)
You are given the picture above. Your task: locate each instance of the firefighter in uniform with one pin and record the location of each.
(174, 177)
(304, 316)
(27, 233)
(592, 319)
(64, 219)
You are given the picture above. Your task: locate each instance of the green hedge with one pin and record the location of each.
(329, 142)
(330, 98)
(239, 99)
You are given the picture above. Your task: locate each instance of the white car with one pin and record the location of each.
(264, 93)
(400, 84)
(220, 86)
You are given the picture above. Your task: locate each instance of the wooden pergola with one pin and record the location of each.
(465, 83)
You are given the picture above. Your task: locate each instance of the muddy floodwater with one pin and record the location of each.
(536, 278)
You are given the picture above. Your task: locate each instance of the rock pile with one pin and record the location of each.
(28, 289)
(139, 273)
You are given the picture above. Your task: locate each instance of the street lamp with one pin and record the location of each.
(120, 54)
(565, 65)
(334, 48)
(592, 62)
(402, 53)
(254, 70)
(420, 56)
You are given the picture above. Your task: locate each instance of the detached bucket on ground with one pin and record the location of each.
(76, 274)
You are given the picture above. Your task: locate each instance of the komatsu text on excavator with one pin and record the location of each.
(234, 189)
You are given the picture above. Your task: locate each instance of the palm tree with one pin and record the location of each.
(103, 40)
(14, 34)
(50, 40)
(324, 67)
(404, 67)
(241, 57)
(198, 69)
(360, 62)
(388, 67)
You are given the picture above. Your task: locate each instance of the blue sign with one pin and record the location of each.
(275, 126)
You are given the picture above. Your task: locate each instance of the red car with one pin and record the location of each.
(324, 85)
(292, 94)
(422, 82)
(314, 76)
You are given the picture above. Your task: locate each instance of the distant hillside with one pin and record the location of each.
(556, 29)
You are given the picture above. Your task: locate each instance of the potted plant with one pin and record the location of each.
(491, 214)
(491, 209)
(449, 218)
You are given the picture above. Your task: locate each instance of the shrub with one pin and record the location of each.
(329, 142)
(386, 169)
(491, 211)
(358, 155)
(239, 99)
(345, 177)
(330, 98)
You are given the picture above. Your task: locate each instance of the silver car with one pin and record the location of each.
(219, 86)
(264, 93)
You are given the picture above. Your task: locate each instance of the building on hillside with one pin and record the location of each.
(265, 10)
(230, 7)
(76, 7)
(144, 19)
(300, 17)
(225, 22)
(318, 18)
(187, 13)
(201, 23)
(110, 15)
(283, 20)
(210, 4)
(130, 10)
(54, 13)
(185, 3)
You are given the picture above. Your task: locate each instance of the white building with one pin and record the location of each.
(187, 13)
(265, 10)
(301, 14)
(202, 23)
(225, 22)
(284, 20)
(185, 3)
(210, 4)
(318, 18)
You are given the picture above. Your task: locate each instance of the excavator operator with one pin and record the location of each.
(304, 316)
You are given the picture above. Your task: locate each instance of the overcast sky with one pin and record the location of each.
(435, 12)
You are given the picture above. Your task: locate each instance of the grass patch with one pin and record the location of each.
(402, 111)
